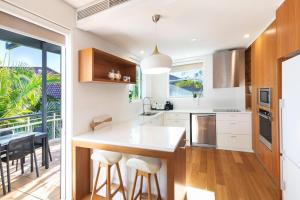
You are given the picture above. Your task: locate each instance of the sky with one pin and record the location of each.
(32, 57)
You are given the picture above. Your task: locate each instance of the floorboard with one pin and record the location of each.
(227, 175)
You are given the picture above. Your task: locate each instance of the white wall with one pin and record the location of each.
(92, 99)
(212, 98)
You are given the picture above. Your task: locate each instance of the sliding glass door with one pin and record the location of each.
(30, 101)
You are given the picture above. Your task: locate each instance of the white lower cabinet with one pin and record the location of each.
(178, 120)
(156, 121)
(234, 131)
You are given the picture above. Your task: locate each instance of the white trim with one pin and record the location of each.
(67, 94)
(26, 15)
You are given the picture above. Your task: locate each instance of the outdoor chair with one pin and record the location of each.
(17, 149)
(4, 133)
(2, 177)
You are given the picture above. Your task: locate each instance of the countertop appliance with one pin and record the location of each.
(203, 130)
(229, 68)
(169, 106)
(265, 127)
(290, 129)
(265, 97)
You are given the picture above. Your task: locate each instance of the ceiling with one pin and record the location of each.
(188, 28)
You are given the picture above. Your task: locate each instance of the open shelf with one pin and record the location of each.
(94, 66)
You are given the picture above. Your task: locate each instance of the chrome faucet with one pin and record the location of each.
(148, 104)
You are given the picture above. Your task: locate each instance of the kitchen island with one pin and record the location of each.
(166, 143)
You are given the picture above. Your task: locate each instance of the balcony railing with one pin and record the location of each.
(32, 122)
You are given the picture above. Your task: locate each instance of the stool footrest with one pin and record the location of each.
(115, 188)
(101, 186)
(145, 196)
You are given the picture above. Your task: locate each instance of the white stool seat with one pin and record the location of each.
(145, 164)
(106, 157)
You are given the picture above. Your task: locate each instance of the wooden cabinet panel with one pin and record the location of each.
(288, 28)
(265, 73)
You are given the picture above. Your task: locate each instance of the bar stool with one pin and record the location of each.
(107, 159)
(145, 167)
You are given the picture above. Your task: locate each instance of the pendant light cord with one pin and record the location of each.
(155, 19)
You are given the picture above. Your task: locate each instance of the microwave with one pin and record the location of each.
(264, 97)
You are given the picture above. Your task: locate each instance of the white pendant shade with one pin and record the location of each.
(156, 64)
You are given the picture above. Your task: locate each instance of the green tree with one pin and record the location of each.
(20, 90)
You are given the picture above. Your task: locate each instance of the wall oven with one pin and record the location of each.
(265, 128)
(264, 97)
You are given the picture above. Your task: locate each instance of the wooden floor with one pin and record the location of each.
(211, 175)
(227, 175)
(28, 186)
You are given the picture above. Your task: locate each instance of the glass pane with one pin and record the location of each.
(20, 85)
(135, 90)
(187, 83)
(54, 95)
(21, 106)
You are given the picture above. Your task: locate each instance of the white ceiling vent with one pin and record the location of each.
(98, 7)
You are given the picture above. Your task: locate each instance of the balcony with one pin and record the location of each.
(27, 185)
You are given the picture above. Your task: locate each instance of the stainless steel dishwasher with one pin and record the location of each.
(203, 130)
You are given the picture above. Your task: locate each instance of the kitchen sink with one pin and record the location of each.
(148, 113)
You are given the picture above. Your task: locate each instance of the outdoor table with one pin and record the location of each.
(4, 140)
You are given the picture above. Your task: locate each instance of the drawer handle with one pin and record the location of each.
(233, 136)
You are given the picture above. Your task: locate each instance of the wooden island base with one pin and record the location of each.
(176, 167)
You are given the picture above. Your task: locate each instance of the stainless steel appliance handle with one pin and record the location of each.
(281, 105)
(205, 115)
(265, 116)
(282, 185)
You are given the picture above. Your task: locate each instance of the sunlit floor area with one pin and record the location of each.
(227, 175)
(28, 186)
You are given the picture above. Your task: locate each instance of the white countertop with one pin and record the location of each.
(133, 134)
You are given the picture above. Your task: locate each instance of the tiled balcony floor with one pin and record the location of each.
(28, 186)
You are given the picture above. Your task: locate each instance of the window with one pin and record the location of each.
(135, 90)
(186, 81)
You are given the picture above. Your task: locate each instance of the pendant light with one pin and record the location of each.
(157, 63)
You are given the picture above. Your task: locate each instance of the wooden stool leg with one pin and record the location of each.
(149, 186)
(108, 188)
(121, 182)
(95, 182)
(141, 188)
(157, 186)
(134, 184)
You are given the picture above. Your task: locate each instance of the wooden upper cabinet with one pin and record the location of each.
(288, 28)
(94, 66)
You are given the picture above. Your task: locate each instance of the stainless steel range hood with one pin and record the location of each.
(229, 68)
